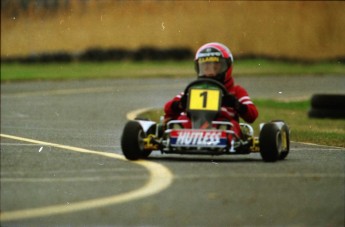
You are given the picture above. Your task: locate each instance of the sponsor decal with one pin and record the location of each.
(202, 55)
(197, 138)
(209, 59)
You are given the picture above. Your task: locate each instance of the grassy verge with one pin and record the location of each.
(17, 72)
(303, 129)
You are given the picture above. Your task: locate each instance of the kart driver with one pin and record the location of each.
(215, 61)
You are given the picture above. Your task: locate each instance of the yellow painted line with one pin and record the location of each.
(132, 115)
(68, 179)
(160, 179)
(319, 145)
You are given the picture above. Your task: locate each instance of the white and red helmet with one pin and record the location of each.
(217, 56)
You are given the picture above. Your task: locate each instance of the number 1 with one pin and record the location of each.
(204, 95)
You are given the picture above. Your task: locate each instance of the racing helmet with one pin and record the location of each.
(214, 60)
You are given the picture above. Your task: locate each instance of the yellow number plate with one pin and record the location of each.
(204, 99)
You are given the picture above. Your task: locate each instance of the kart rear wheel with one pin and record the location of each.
(270, 140)
(132, 141)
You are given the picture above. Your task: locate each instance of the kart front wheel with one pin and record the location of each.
(132, 141)
(271, 143)
(285, 135)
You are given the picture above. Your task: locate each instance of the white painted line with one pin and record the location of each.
(62, 92)
(262, 175)
(160, 179)
(88, 90)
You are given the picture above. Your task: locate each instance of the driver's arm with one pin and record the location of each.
(174, 107)
(241, 102)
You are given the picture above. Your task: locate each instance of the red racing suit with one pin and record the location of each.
(227, 113)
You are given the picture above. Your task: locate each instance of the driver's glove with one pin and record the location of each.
(179, 106)
(231, 101)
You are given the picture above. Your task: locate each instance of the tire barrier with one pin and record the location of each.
(327, 106)
(58, 57)
(103, 55)
(151, 53)
(142, 54)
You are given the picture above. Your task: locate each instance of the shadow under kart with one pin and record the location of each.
(206, 136)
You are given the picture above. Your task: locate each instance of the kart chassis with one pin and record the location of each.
(141, 137)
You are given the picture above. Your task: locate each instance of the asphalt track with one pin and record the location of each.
(61, 163)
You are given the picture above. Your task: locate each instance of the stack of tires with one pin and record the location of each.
(327, 106)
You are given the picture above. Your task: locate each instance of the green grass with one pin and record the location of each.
(269, 67)
(128, 69)
(303, 129)
(295, 114)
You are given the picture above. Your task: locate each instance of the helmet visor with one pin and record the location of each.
(212, 66)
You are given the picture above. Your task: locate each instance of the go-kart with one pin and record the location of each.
(206, 136)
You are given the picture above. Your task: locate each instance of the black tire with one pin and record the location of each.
(327, 113)
(270, 141)
(132, 143)
(328, 101)
(285, 133)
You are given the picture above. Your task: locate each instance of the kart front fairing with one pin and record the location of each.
(204, 99)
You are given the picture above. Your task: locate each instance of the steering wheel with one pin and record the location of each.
(207, 81)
